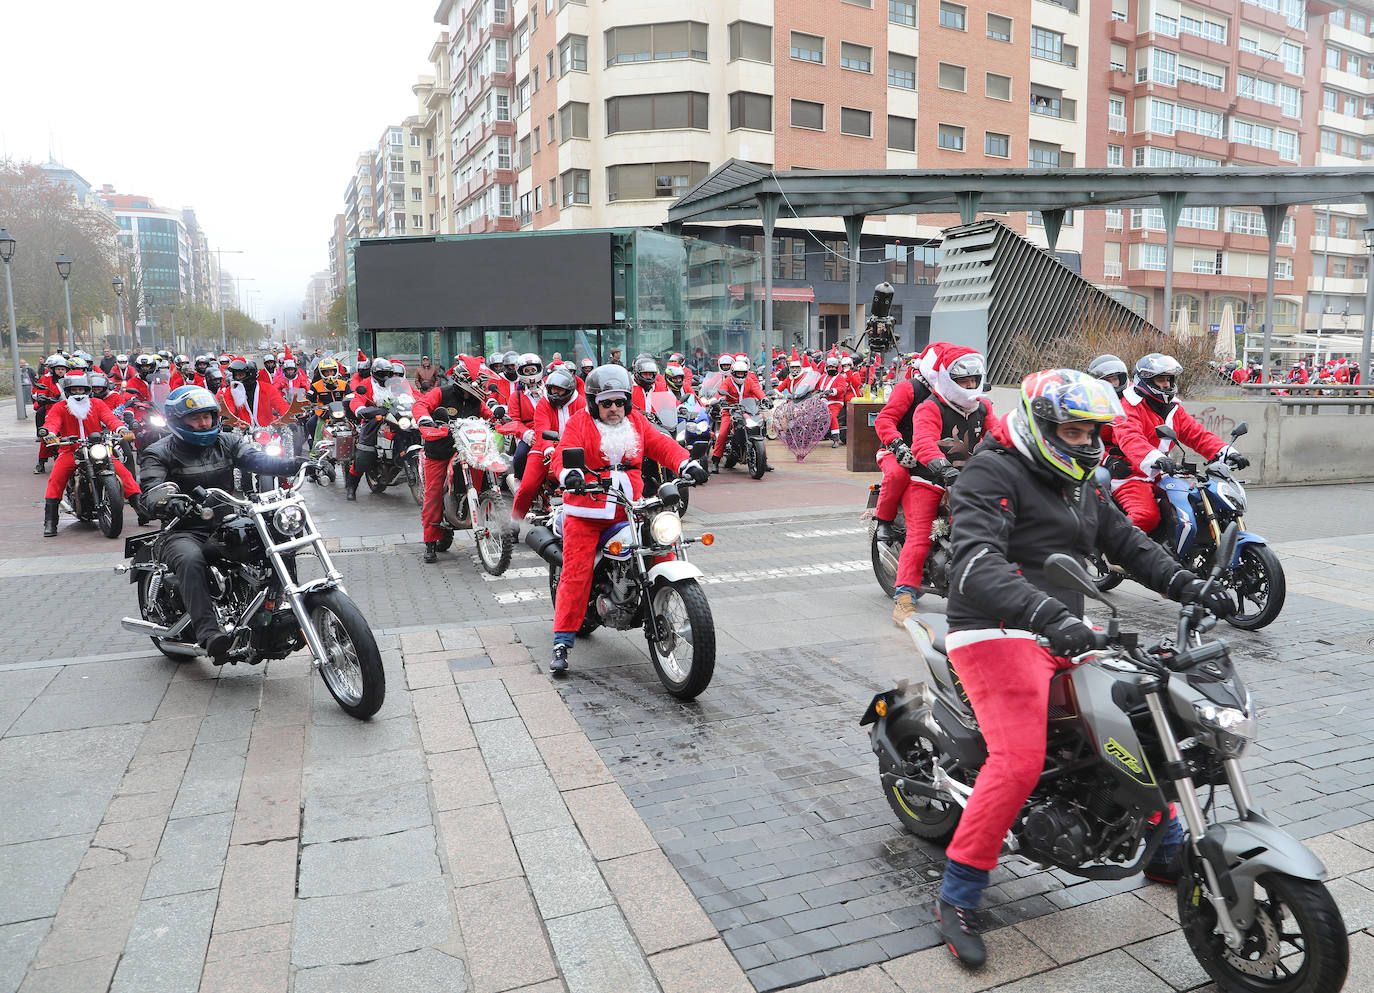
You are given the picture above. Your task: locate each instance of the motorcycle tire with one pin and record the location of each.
(681, 609)
(446, 542)
(591, 621)
(111, 514)
(374, 481)
(415, 479)
(492, 532)
(1103, 576)
(758, 459)
(731, 457)
(148, 612)
(919, 815)
(1259, 568)
(353, 671)
(1288, 909)
(885, 555)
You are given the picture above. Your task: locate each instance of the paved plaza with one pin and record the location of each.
(177, 827)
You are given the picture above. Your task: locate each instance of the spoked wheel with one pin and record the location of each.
(493, 532)
(1260, 588)
(352, 669)
(415, 478)
(1104, 577)
(374, 481)
(920, 815)
(592, 620)
(163, 608)
(758, 459)
(685, 654)
(446, 542)
(1296, 943)
(884, 555)
(111, 515)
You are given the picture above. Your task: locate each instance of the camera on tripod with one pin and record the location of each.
(881, 326)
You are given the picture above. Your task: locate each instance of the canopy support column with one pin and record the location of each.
(1053, 221)
(1273, 224)
(853, 228)
(1172, 204)
(768, 211)
(968, 205)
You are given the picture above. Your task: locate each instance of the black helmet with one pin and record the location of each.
(145, 365)
(1157, 364)
(165, 353)
(559, 387)
(382, 370)
(607, 380)
(646, 372)
(242, 370)
(510, 365)
(202, 363)
(1112, 369)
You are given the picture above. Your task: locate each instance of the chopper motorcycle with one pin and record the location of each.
(93, 493)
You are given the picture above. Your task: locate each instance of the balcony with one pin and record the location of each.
(1212, 147)
(1251, 155)
(1116, 122)
(1210, 50)
(1349, 39)
(1121, 32)
(1319, 244)
(1197, 94)
(1111, 270)
(1344, 122)
(1336, 286)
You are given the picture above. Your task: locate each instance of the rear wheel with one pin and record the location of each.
(415, 478)
(374, 480)
(446, 542)
(1104, 577)
(933, 820)
(685, 654)
(492, 530)
(1259, 587)
(885, 554)
(163, 608)
(352, 668)
(111, 513)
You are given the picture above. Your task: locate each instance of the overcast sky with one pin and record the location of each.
(251, 112)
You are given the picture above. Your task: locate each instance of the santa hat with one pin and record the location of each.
(286, 355)
(794, 359)
(361, 356)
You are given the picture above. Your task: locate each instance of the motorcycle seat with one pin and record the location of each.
(937, 626)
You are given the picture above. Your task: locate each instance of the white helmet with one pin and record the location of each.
(739, 369)
(725, 361)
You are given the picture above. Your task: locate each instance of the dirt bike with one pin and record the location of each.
(93, 492)
(338, 436)
(1131, 730)
(473, 498)
(254, 586)
(885, 554)
(398, 444)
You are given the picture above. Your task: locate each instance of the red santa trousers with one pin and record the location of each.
(920, 504)
(65, 465)
(536, 471)
(433, 510)
(1137, 498)
(580, 538)
(895, 481)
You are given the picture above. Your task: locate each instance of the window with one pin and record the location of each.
(553, 191)
(1115, 155)
(656, 112)
(1294, 58)
(1165, 25)
(525, 152)
(807, 47)
(502, 106)
(894, 263)
(552, 66)
(572, 121)
(1043, 155)
(658, 179)
(753, 111)
(417, 221)
(999, 87)
(1163, 66)
(414, 140)
(500, 61)
(576, 186)
(1152, 257)
(901, 71)
(416, 193)
(503, 151)
(856, 122)
(534, 79)
(996, 145)
(415, 168)
(538, 199)
(951, 137)
(951, 77)
(505, 199)
(806, 114)
(535, 136)
(654, 42)
(901, 12)
(999, 27)
(836, 261)
(901, 133)
(952, 15)
(751, 42)
(572, 55)
(1050, 45)
(856, 57)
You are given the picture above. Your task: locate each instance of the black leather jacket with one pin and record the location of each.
(172, 460)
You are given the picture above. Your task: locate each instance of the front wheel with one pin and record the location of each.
(352, 666)
(1104, 577)
(111, 514)
(685, 653)
(492, 530)
(415, 478)
(1296, 943)
(758, 459)
(1259, 587)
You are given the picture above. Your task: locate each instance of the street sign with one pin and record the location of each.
(1240, 328)
(1214, 328)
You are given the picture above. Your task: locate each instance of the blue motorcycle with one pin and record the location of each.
(689, 424)
(1196, 505)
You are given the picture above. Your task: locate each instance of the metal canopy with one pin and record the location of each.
(729, 193)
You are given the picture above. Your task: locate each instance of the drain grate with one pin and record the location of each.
(1360, 641)
(355, 551)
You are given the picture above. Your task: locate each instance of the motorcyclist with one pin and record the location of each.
(676, 377)
(930, 438)
(646, 377)
(551, 413)
(181, 371)
(269, 363)
(194, 454)
(327, 388)
(199, 368)
(249, 396)
(523, 396)
(361, 372)
(77, 415)
(496, 363)
(120, 370)
(1152, 400)
(794, 373)
(837, 389)
(615, 440)
(46, 393)
(503, 383)
(1026, 494)
(367, 408)
(738, 385)
(459, 398)
(140, 384)
(1112, 370)
(678, 359)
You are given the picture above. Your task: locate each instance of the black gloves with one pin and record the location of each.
(1166, 465)
(575, 482)
(1068, 635)
(1237, 461)
(1216, 600)
(905, 458)
(942, 471)
(695, 471)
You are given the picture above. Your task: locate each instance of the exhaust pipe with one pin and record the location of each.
(545, 544)
(169, 635)
(145, 627)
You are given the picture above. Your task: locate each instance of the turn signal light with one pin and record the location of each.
(615, 548)
(880, 708)
(708, 538)
(872, 487)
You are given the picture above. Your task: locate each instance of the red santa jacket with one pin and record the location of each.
(842, 388)
(1136, 437)
(118, 374)
(297, 386)
(137, 388)
(46, 391)
(267, 404)
(730, 389)
(547, 417)
(581, 432)
(63, 422)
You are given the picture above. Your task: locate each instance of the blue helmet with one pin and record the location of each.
(187, 400)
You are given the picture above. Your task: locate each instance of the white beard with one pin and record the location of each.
(619, 441)
(240, 395)
(79, 406)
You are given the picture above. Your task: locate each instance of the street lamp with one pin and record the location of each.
(1368, 304)
(118, 285)
(7, 247)
(64, 269)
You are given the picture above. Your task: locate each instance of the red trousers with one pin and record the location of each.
(536, 471)
(65, 465)
(920, 504)
(1137, 499)
(835, 409)
(722, 435)
(1008, 682)
(895, 481)
(580, 537)
(436, 470)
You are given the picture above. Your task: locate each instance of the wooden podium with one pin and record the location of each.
(861, 451)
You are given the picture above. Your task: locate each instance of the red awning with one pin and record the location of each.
(798, 293)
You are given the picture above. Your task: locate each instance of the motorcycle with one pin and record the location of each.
(1131, 730)
(338, 437)
(1197, 504)
(472, 493)
(688, 424)
(398, 444)
(746, 433)
(885, 554)
(93, 492)
(254, 586)
(642, 578)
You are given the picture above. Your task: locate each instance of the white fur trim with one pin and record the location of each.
(962, 639)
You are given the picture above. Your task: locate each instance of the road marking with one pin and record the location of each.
(825, 532)
(529, 572)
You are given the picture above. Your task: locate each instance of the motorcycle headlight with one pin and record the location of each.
(666, 528)
(274, 448)
(1234, 727)
(99, 452)
(157, 420)
(338, 415)
(289, 520)
(404, 423)
(1232, 494)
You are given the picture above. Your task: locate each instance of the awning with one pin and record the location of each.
(799, 293)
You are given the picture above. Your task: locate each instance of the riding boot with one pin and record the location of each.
(41, 467)
(883, 531)
(351, 486)
(51, 508)
(431, 552)
(559, 664)
(715, 465)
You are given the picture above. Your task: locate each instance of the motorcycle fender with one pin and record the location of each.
(671, 572)
(414, 450)
(1252, 847)
(1243, 539)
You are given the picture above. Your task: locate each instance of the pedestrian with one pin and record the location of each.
(426, 375)
(615, 357)
(107, 361)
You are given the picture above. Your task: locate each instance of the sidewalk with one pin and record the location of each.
(178, 828)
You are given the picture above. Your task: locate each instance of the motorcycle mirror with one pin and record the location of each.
(160, 492)
(573, 458)
(668, 493)
(1239, 429)
(1226, 549)
(1164, 431)
(1067, 571)
(549, 435)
